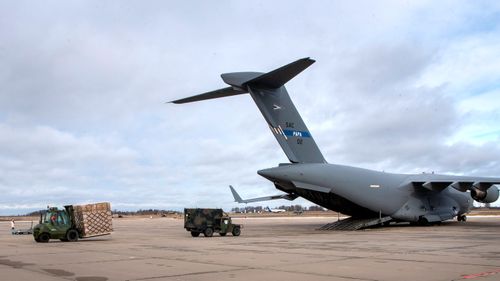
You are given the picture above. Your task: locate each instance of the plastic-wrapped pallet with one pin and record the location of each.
(93, 219)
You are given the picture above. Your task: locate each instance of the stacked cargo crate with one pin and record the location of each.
(93, 219)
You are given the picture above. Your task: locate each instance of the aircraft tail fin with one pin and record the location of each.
(272, 99)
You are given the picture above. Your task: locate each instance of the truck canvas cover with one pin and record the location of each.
(195, 218)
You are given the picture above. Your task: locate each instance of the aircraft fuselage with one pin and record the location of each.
(364, 193)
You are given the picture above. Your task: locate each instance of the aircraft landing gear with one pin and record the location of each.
(462, 218)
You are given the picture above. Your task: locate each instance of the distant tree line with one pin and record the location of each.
(291, 208)
(148, 212)
(35, 213)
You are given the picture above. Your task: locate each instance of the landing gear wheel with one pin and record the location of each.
(222, 233)
(195, 234)
(423, 221)
(462, 218)
(208, 232)
(43, 238)
(72, 235)
(236, 231)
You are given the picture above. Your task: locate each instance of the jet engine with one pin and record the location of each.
(488, 196)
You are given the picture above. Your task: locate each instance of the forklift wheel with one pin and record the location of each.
(72, 235)
(43, 238)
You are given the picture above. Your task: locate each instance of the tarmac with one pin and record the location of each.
(268, 249)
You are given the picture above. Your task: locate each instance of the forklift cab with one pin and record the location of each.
(56, 220)
(56, 224)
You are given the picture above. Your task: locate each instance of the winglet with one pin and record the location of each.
(238, 199)
(236, 196)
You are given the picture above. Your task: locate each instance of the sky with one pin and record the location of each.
(398, 86)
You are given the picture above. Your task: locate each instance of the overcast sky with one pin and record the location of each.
(398, 86)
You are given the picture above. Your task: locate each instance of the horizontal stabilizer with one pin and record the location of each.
(240, 80)
(280, 76)
(238, 199)
(220, 93)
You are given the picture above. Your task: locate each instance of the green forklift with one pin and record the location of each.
(56, 224)
(73, 223)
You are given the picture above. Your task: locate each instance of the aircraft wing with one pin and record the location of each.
(238, 199)
(460, 185)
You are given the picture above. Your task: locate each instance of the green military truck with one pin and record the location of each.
(74, 222)
(208, 221)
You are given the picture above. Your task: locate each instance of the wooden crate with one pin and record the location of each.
(94, 219)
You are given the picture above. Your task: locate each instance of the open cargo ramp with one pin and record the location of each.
(350, 224)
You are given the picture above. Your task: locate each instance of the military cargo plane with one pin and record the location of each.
(357, 192)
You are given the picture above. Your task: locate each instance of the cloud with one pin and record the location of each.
(398, 86)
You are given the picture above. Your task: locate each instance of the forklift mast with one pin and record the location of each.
(71, 214)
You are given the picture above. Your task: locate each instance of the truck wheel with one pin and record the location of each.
(72, 235)
(222, 233)
(208, 232)
(43, 238)
(236, 231)
(195, 234)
